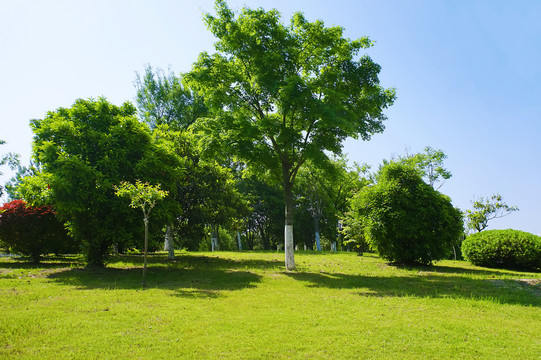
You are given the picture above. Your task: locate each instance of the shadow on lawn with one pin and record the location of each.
(423, 285)
(193, 276)
(47, 262)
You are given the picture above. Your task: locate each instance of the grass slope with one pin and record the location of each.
(246, 306)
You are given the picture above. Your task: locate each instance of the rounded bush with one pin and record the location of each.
(404, 219)
(503, 248)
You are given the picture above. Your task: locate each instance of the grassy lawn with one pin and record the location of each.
(246, 306)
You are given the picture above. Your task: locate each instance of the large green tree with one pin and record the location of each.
(86, 149)
(281, 95)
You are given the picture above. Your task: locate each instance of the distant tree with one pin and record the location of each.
(486, 209)
(10, 159)
(204, 195)
(429, 164)
(163, 99)
(33, 230)
(145, 197)
(404, 219)
(283, 95)
(325, 191)
(266, 211)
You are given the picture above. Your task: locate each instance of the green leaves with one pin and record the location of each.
(83, 151)
(301, 86)
(141, 194)
(405, 219)
(486, 209)
(503, 248)
(163, 99)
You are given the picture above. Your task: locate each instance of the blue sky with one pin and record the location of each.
(467, 75)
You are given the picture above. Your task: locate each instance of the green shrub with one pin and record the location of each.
(503, 248)
(404, 219)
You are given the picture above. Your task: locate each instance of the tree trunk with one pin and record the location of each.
(214, 238)
(145, 253)
(169, 243)
(238, 240)
(288, 230)
(316, 231)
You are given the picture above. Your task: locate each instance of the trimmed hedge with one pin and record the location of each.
(503, 248)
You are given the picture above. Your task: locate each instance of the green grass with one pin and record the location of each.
(246, 306)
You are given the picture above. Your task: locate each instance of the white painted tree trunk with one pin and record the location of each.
(169, 244)
(318, 241)
(214, 238)
(238, 240)
(290, 255)
(144, 282)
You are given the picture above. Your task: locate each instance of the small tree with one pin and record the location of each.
(144, 196)
(486, 209)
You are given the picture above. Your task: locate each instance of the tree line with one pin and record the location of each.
(246, 144)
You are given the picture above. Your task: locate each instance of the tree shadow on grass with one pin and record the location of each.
(445, 269)
(185, 277)
(48, 262)
(423, 285)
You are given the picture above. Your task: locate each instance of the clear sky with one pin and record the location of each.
(467, 75)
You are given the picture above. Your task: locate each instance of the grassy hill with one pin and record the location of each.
(244, 305)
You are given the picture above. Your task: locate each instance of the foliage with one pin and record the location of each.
(141, 195)
(266, 211)
(85, 150)
(205, 193)
(323, 192)
(10, 159)
(162, 99)
(33, 230)
(486, 209)
(404, 219)
(429, 164)
(503, 248)
(281, 95)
